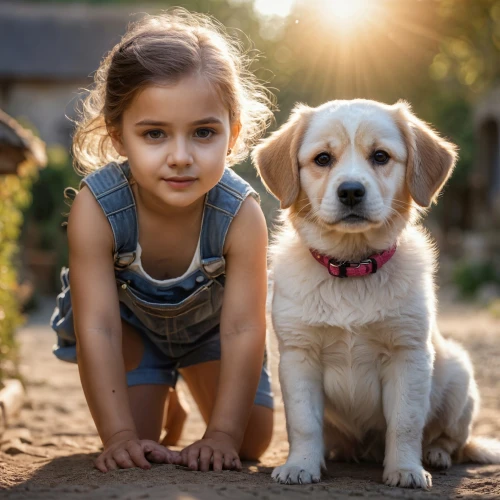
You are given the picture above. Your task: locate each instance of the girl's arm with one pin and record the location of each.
(99, 336)
(243, 333)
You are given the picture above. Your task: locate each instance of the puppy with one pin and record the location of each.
(364, 371)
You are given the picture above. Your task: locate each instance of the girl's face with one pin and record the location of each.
(176, 139)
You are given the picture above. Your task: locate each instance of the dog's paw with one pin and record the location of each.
(415, 477)
(296, 474)
(436, 457)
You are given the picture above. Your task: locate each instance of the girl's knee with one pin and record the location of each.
(258, 434)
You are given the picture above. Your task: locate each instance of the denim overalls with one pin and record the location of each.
(178, 323)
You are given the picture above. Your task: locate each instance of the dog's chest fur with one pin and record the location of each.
(352, 326)
(352, 363)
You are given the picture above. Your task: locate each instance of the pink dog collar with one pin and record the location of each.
(346, 269)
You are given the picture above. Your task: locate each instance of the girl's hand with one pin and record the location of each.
(216, 448)
(127, 451)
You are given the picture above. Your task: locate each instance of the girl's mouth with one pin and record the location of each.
(180, 182)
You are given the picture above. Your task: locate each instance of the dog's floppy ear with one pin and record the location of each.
(276, 157)
(430, 158)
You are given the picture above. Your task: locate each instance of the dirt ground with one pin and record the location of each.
(49, 452)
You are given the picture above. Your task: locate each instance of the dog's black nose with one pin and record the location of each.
(351, 193)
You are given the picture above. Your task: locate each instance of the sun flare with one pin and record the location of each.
(279, 8)
(350, 14)
(347, 10)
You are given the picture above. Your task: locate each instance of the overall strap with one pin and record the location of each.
(221, 206)
(111, 189)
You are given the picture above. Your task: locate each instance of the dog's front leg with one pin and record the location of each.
(302, 386)
(406, 391)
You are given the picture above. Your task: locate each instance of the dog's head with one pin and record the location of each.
(355, 165)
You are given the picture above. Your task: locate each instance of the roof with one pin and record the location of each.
(54, 42)
(17, 144)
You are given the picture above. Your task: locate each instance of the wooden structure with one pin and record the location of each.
(18, 145)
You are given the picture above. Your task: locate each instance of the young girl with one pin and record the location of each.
(168, 247)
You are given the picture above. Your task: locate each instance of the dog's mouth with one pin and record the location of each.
(354, 219)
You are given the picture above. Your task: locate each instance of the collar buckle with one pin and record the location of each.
(341, 266)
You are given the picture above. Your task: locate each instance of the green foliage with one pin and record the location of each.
(470, 276)
(14, 196)
(451, 115)
(45, 217)
(470, 45)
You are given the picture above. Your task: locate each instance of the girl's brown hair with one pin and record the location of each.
(163, 49)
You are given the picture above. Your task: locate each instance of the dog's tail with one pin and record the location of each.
(480, 450)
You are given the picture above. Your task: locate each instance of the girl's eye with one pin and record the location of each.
(323, 159)
(154, 134)
(380, 157)
(204, 133)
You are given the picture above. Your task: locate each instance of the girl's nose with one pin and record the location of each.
(179, 154)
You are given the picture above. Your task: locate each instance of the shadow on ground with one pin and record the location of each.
(74, 477)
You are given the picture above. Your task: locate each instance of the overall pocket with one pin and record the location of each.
(176, 320)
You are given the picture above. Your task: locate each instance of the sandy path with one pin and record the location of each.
(49, 455)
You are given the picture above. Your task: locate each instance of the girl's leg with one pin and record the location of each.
(258, 434)
(176, 412)
(202, 380)
(147, 402)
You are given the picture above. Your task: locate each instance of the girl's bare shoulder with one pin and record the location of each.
(88, 226)
(248, 229)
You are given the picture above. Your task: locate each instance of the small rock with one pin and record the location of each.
(14, 447)
(23, 434)
(69, 442)
(28, 405)
(12, 399)
(61, 409)
(48, 443)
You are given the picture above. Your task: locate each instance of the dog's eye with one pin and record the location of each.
(323, 159)
(380, 157)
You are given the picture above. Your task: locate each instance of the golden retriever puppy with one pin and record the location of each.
(364, 371)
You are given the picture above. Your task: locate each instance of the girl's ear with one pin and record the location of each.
(116, 139)
(235, 132)
(431, 159)
(276, 157)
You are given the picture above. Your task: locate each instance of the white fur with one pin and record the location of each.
(364, 371)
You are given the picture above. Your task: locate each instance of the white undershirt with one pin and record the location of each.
(137, 267)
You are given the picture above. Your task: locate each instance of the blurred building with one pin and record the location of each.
(47, 56)
(485, 180)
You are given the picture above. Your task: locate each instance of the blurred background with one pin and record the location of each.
(443, 56)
